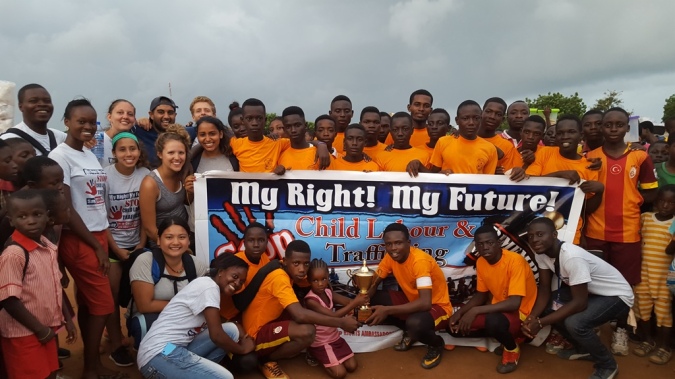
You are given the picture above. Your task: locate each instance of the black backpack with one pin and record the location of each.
(37, 145)
(244, 298)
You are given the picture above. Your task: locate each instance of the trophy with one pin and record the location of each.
(363, 279)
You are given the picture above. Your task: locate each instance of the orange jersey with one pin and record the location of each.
(339, 143)
(274, 295)
(419, 137)
(419, 271)
(227, 309)
(341, 164)
(511, 155)
(299, 159)
(261, 156)
(374, 151)
(428, 149)
(618, 217)
(511, 276)
(464, 156)
(397, 160)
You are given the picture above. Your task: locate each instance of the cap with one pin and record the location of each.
(162, 100)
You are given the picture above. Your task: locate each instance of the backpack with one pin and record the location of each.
(37, 145)
(158, 264)
(25, 265)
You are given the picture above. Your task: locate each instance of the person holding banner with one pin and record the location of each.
(438, 125)
(401, 153)
(301, 155)
(423, 306)
(324, 127)
(370, 119)
(353, 159)
(506, 277)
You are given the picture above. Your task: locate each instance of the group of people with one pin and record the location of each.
(120, 224)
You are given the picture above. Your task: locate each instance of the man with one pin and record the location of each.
(342, 112)
(422, 306)
(402, 153)
(201, 106)
(591, 124)
(419, 106)
(278, 337)
(353, 160)
(463, 154)
(438, 125)
(647, 136)
(370, 119)
(516, 115)
(324, 131)
(385, 124)
(491, 119)
(532, 132)
(36, 107)
(505, 277)
(599, 294)
(258, 153)
(301, 155)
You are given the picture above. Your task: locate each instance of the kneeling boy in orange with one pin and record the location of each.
(353, 159)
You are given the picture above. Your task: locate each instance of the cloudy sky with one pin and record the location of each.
(294, 52)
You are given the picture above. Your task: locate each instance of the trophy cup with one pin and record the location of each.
(363, 279)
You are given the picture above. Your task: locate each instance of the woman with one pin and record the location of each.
(84, 243)
(236, 120)
(214, 151)
(124, 217)
(121, 116)
(163, 193)
(177, 346)
(151, 286)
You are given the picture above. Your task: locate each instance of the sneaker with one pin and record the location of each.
(619, 342)
(604, 373)
(311, 361)
(661, 356)
(509, 361)
(271, 370)
(574, 355)
(644, 349)
(64, 353)
(556, 342)
(433, 356)
(405, 344)
(121, 357)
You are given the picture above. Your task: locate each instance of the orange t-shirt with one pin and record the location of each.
(339, 143)
(275, 294)
(419, 271)
(464, 156)
(397, 160)
(299, 159)
(374, 151)
(418, 138)
(511, 276)
(341, 164)
(428, 149)
(511, 154)
(261, 156)
(618, 217)
(227, 309)
(548, 160)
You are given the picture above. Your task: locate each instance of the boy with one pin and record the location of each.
(341, 111)
(325, 132)
(385, 124)
(352, 160)
(402, 153)
(301, 155)
(438, 125)
(32, 303)
(22, 151)
(516, 116)
(420, 107)
(665, 171)
(491, 118)
(370, 119)
(8, 175)
(658, 151)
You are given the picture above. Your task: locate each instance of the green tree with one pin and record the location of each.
(269, 117)
(669, 108)
(611, 99)
(567, 104)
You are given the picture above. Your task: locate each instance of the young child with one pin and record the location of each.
(658, 151)
(328, 347)
(665, 171)
(652, 293)
(8, 175)
(32, 303)
(22, 151)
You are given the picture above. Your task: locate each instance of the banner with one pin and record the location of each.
(341, 215)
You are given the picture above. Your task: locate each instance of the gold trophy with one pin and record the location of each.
(363, 279)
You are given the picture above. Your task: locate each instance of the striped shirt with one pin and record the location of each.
(40, 291)
(655, 261)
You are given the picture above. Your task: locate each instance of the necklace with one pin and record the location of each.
(174, 270)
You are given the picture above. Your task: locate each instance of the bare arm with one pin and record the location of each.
(245, 344)
(144, 297)
(306, 316)
(77, 226)
(148, 201)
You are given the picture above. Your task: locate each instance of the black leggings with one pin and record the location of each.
(496, 326)
(419, 326)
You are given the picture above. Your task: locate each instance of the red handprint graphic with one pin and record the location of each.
(91, 184)
(276, 243)
(116, 212)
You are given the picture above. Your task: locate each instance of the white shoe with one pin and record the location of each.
(619, 342)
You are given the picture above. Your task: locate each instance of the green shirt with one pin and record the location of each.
(663, 175)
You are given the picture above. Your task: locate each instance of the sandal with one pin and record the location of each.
(661, 356)
(644, 349)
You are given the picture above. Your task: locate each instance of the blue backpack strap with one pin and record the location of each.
(158, 263)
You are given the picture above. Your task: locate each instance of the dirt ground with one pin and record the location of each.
(464, 362)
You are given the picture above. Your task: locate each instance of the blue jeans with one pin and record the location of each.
(199, 359)
(580, 327)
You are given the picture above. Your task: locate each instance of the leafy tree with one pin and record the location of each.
(669, 108)
(270, 117)
(567, 104)
(611, 99)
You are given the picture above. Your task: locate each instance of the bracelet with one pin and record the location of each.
(540, 325)
(49, 331)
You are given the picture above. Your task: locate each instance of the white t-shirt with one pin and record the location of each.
(83, 174)
(43, 139)
(122, 202)
(181, 320)
(578, 266)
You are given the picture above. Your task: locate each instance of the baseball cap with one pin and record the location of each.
(162, 100)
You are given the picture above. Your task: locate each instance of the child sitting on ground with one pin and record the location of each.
(30, 292)
(328, 347)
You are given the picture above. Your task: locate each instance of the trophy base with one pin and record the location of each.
(363, 314)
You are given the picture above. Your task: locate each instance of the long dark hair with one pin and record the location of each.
(224, 145)
(225, 261)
